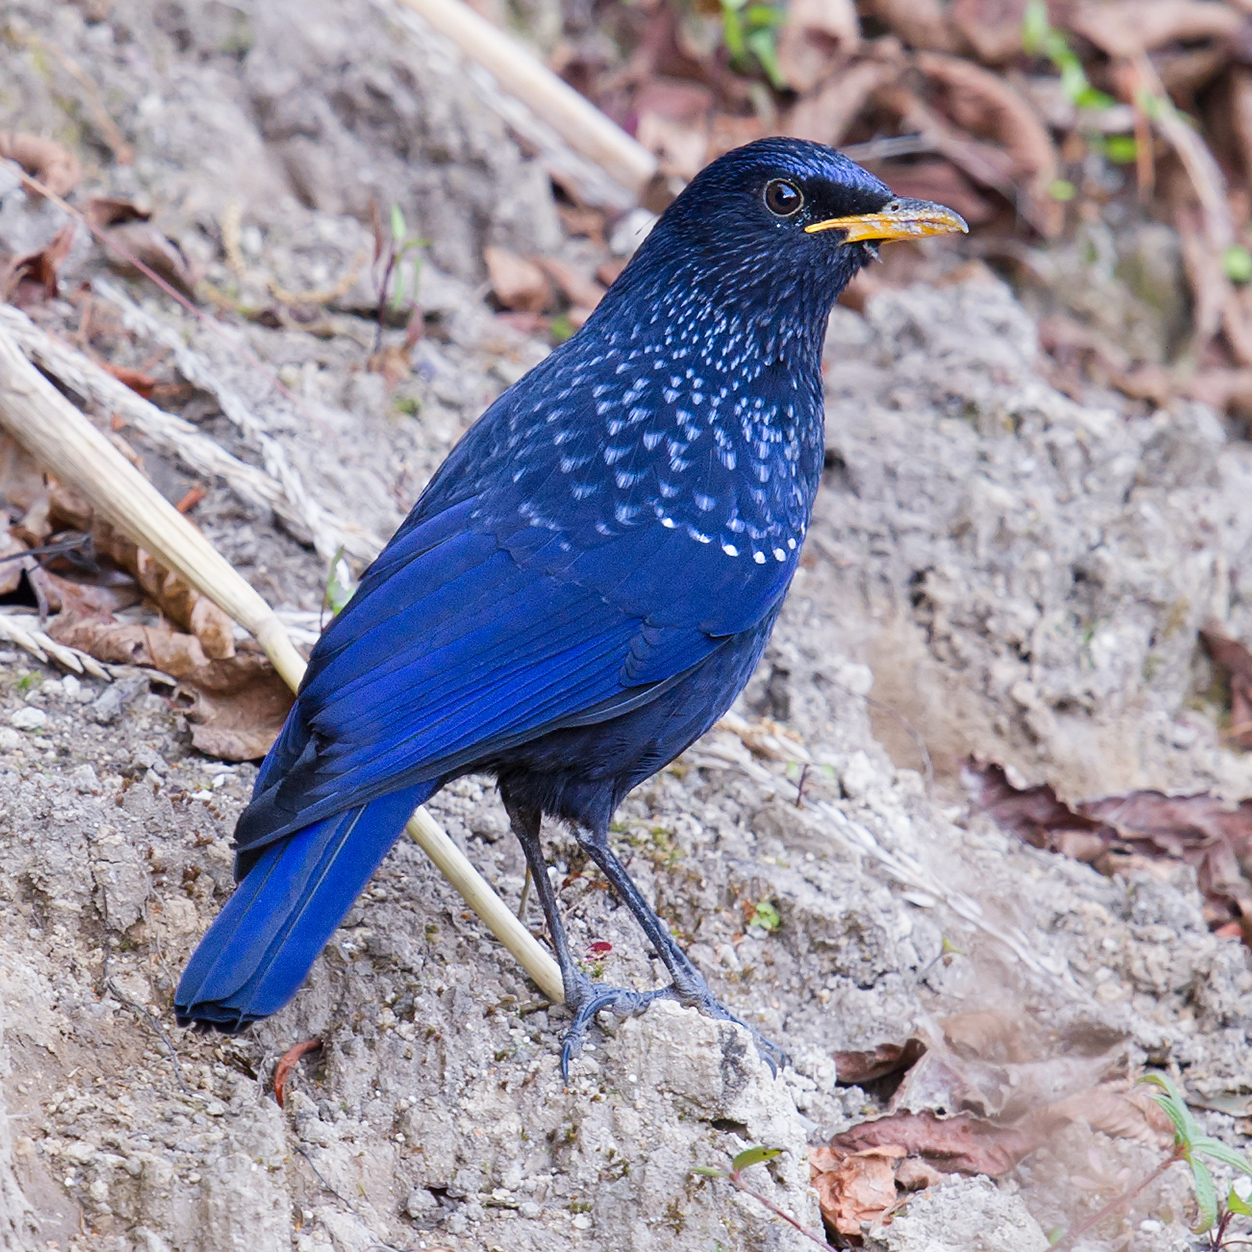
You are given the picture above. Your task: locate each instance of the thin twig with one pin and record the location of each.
(736, 1180)
(1067, 1240)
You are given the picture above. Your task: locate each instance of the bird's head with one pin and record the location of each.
(781, 219)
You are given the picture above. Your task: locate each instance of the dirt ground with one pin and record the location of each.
(994, 569)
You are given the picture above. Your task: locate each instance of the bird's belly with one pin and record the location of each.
(581, 774)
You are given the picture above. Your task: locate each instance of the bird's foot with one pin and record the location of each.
(586, 998)
(711, 1006)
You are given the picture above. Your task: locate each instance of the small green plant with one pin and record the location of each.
(1193, 1147)
(1190, 1145)
(750, 29)
(766, 916)
(1237, 263)
(1041, 38)
(745, 1160)
(390, 248)
(339, 585)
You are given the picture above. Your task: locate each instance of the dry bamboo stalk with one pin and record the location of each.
(60, 437)
(550, 98)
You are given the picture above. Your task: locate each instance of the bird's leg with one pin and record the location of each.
(583, 997)
(689, 986)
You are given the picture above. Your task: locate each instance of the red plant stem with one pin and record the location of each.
(736, 1179)
(1067, 1240)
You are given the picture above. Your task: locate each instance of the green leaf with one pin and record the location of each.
(709, 1172)
(761, 42)
(1062, 189)
(1237, 264)
(753, 1156)
(339, 588)
(399, 230)
(766, 916)
(1035, 27)
(1092, 99)
(1237, 1204)
(561, 328)
(1216, 1150)
(1121, 149)
(1175, 1106)
(1205, 1196)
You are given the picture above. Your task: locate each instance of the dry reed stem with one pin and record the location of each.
(61, 438)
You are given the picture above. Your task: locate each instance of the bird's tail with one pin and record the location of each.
(263, 943)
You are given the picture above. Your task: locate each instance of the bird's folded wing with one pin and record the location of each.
(451, 654)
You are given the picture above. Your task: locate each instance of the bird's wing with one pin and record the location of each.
(451, 654)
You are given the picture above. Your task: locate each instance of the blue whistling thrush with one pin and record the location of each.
(584, 587)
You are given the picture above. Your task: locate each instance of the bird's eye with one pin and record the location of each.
(782, 198)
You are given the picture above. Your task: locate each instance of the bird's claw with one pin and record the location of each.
(588, 998)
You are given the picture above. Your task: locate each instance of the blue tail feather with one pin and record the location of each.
(263, 943)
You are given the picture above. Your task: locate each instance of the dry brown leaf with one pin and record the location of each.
(681, 149)
(816, 36)
(920, 23)
(393, 363)
(35, 277)
(139, 382)
(985, 105)
(236, 705)
(105, 211)
(55, 166)
(1235, 659)
(913, 1174)
(859, 1187)
(175, 597)
(579, 290)
(854, 1068)
(1199, 830)
(518, 284)
(1131, 26)
(142, 241)
(827, 114)
(963, 1144)
(993, 28)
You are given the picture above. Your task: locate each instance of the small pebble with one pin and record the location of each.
(28, 718)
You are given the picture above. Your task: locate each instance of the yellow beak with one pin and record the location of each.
(901, 219)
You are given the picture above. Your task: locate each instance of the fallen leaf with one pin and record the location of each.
(1131, 26)
(175, 597)
(578, 289)
(393, 363)
(993, 28)
(920, 23)
(1200, 830)
(287, 1062)
(142, 241)
(988, 107)
(827, 114)
(105, 211)
(681, 149)
(815, 37)
(236, 705)
(963, 1144)
(55, 166)
(139, 382)
(518, 284)
(858, 1187)
(35, 277)
(1236, 660)
(856, 1068)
